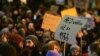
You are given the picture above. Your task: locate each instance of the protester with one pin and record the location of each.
(94, 48)
(7, 50)
(31, 29)
(54, 49)
(75, 50)
(31, 45)
(21, 28)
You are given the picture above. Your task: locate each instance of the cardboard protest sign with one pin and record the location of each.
(70, 12)
(68, 28)
(50, 22)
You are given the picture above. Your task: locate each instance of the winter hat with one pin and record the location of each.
(7, 50)
(33, 38)
(47, 36)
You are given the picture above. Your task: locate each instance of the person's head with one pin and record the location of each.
(7, 50)
(39, 33)
(75, 50)
(31, 26)
(29, 13)
(22, 32)
(31, 41)
(54, 45)
(47, 36)
(23, 21)
(26, 52)
(95, 48)
(20, 10)
(4, 37)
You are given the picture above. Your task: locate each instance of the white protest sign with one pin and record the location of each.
(68, 28)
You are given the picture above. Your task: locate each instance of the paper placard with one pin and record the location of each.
(68, 28)
(70, 12)
(50, 22)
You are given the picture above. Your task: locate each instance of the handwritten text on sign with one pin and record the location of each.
(68, 29)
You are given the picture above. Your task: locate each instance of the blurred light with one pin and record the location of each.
(23, 1)
(10, 0)
(60, 2)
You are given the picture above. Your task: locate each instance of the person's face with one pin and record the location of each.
(29, 43)
(75, 52)
(23, 30)
(31, 26)
(20, 10)
(21, 44)
(23, 21)
(56, 48)
(39, 33)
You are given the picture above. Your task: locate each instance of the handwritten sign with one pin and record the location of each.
(50, 22)
(70, 12)
(68, 28)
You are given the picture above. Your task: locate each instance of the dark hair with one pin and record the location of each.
(26, 52)
(7, 50)
(95, 47)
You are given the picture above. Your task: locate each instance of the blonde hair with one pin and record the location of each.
(74, 47)
(52, 44)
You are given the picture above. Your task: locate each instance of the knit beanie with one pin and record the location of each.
(33, 38)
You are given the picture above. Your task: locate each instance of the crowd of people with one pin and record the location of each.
(21, 33)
